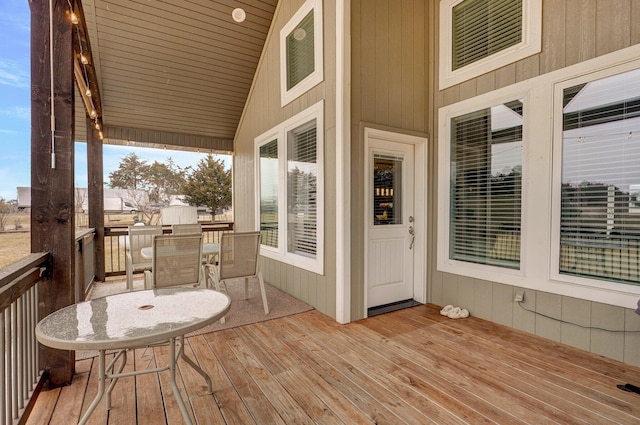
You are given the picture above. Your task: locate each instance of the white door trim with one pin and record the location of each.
(420, 207)
(343, 161)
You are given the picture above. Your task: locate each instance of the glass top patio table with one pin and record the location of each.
(134, 319)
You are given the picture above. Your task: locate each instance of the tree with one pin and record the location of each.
(209, 184)
(165, 180)
(131, 173)
(146, 184)
(6, 208)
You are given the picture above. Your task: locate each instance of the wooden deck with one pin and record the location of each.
(408, 367)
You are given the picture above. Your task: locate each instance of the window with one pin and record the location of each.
(486, 185)
(478, 36)
(600, 218)
(301, 54)
(302, 190)
(268, 177)
(291, 192)
(539, 184)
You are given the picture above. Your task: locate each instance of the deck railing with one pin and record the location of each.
(116, 243)
(20, 374)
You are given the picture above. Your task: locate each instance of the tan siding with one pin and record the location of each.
(263, 112)
(581, 31)
(613, 30)
(553, 24)
(389, 91)
(635, 17)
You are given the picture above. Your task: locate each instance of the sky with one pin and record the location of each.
(15, 111)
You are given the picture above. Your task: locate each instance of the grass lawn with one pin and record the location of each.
(14, 246)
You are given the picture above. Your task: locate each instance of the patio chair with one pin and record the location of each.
(238, 258)
(186, 229)
(138, 238)
(176, 261)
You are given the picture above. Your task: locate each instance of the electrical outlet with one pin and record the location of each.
(519, 296)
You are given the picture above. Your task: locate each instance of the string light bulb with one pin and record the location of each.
(84, 59)
(88, 92)
(93, 114)
(74, 18)
(97, 125)
(101, 135)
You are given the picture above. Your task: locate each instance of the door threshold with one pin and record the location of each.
(388, 308)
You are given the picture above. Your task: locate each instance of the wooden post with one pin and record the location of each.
(52, 162)
(96, 195)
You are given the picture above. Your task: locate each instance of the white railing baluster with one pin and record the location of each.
(3, 403)
(22, 351)
(14, 360)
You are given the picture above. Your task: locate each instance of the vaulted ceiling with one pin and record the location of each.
(173, 72)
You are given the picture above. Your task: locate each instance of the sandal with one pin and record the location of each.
(446, 310)
(455, 313)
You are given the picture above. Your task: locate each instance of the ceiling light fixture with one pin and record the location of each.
(238, 14)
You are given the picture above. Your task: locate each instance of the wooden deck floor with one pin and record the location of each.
(408, 367)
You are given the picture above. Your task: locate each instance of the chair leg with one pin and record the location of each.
(264, 293)
(147, 279)
(128, 268)
(215, 282)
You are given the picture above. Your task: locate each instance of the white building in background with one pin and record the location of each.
(120, 200)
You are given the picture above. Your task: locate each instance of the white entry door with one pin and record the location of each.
(390, 220)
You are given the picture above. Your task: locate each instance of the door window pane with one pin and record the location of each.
(600, 219)
(387, 189)
(486, 186)
(269, 193)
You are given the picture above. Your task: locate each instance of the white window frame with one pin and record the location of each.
(531, 43)
(444, 183)
(316, 77)
(541, 187)
(279, 133)
(557, 183)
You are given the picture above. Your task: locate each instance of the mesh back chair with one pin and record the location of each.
(139, 237)
(176, 261)
(186, 229)
(238, 258)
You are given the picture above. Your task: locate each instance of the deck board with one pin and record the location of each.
(412, 366)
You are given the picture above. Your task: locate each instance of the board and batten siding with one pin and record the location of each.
(389, 75)
(573, 31)
(263, 112)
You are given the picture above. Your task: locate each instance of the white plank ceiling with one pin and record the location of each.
(173, 72)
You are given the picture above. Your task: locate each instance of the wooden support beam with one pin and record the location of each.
(96, 195)
(52, 162)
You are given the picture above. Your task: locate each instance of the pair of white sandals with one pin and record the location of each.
(454, 312)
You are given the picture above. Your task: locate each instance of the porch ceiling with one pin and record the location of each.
(173, 73)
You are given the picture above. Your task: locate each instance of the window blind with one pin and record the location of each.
(269, 193)
(484, 27)
(302, 195)
(300, 52)
(486, 186)
(600, 218)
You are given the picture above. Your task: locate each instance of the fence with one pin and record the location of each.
(116, 243)
(20, 374)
